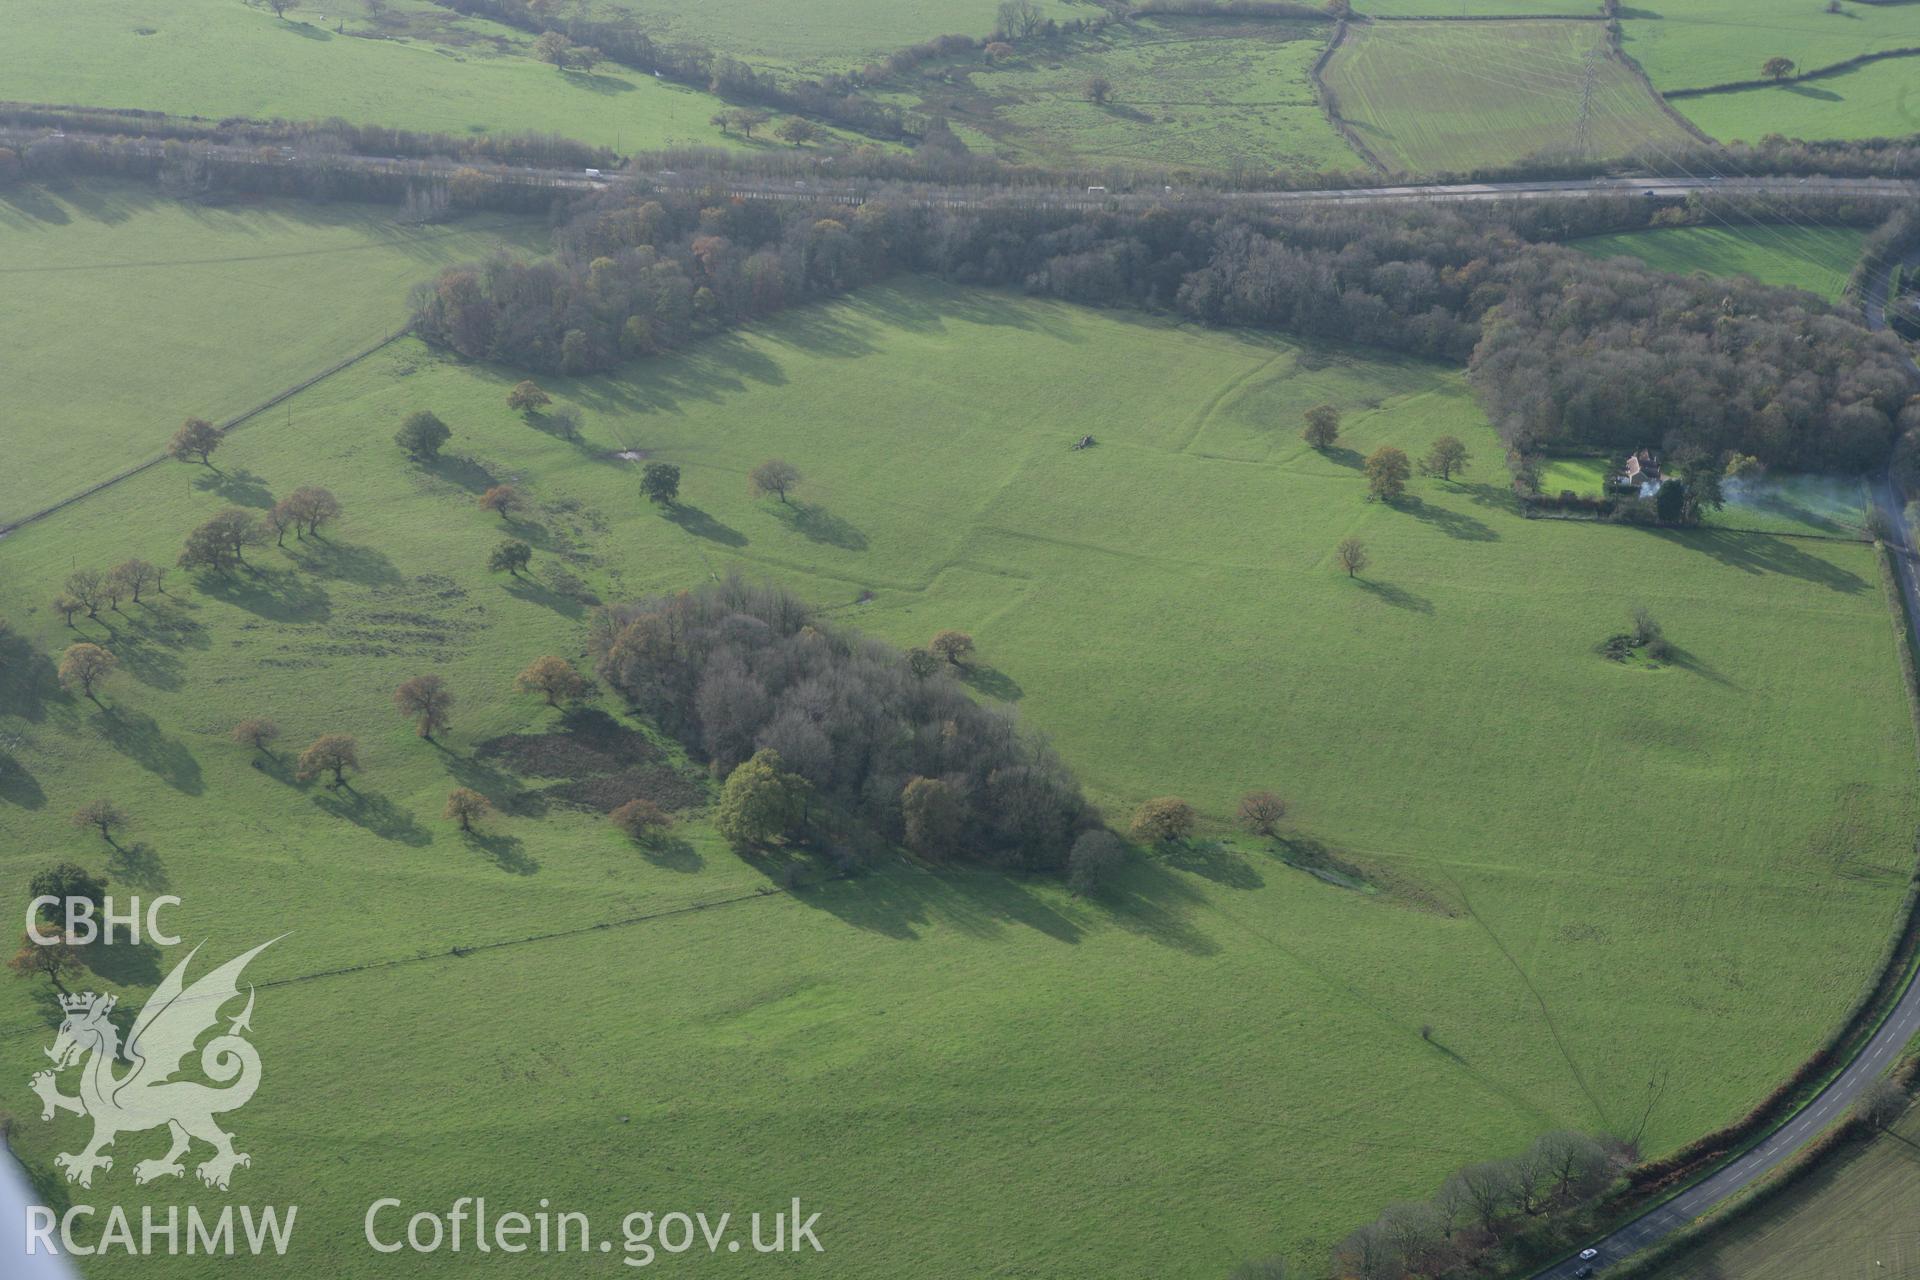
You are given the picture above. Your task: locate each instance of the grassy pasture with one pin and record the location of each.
(1193, 91)
(1438, 96)
(1879, 100)
(1852, 1219)
(170, 310)
(1579, 867)
(1475, 8)
(432, 70)
(1817, 259)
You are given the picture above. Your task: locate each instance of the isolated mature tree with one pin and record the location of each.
(428, 700)
(933, 814)
(1880, 1104)
(1323, 426)
(1164, 820)
(775, 477)
(747, 119)
(1777, 68)
(760, 801)
(85, 585)
(1446, 456)
(1352, 556)
(67, 882)
(510, 556)
(1099, 89)
(527, 398)
(1261, 811)
(502, 499)
(554, 678)
(1387, 473)
(661, 483)
(422, 435)
(66, 606)
(955, 646)
(195, 441)
(1095, 858)
(101, 815)
(554, 48)
(466, 807)
(55, 961)
(85, 667)
(640, 819)
(257, 732)
(333, 753)
(135, 576)
(799, 130)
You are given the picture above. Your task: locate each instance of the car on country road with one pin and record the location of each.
(1588, 1255)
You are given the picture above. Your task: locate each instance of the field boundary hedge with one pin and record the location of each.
(1833, 69)
(227, 426)
(1618, 49)
(1330, 101)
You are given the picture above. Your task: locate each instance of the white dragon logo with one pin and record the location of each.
(147, 1096)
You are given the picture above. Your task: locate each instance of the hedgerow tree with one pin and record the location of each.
(257, 732)
(422, 434)
(1261, 812)
(333, 753)
(502, 499)
(1164, 820)
(1777, 68)
(955, 646)
(1387, 473)
(466, 807)
(1323, 426)
(553, 678)
(195, 441)
(661, 483)
(640, 819)
(760, 802)
(510, 557)
(775, 477)
(1446, 456)
(527, 398)
(101, 815)
(1095, 858)
(932, 815)
(85, 667)
(428, 700)
(54, 961)
(1351, 555)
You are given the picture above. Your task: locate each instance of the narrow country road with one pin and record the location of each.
(1878, 1053)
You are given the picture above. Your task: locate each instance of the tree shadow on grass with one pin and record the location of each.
(502, 790)
(28, 679)
(1808, 91)
(992, 682)
(30, 201)
(137, 736)
(18, 786)
(1398, 597)
(671, 853)
(507, 852)
(534, 592)
(150, 664)
(1686, 660)
(598, 83)
(1151, 902)
(124, 963)
(902, 901)
(374, 813)
(240, 487)
(1341, 456)
(1213, 861)
(1455, 524)
(278, 595)
(701, 525)
(1759, 553)
(460, 470)
(815, 523)
(343, 560)
(138, 864)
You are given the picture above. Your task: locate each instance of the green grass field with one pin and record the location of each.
(423, 68)
(1851, 1219)
(1204, 93)
(970, 1074)
(1817, 259)
(824, 36)
(171, 310)
(1429, 97)
(1879, 100)
(1474, 8)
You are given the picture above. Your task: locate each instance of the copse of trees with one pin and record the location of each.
(735, 670)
